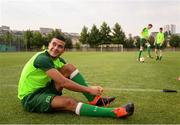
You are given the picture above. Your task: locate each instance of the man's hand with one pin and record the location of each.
(161, 44)
(96, 90)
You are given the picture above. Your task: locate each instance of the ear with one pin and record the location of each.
(49, 44)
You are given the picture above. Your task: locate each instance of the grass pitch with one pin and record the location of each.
(120, 75)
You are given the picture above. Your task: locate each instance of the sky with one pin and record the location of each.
(71, 15)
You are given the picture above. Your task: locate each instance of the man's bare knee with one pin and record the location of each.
(67, 69)
(63, 103)
(71, 103)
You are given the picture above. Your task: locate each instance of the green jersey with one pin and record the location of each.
(160, 38)
(34, 75)
(145, 33)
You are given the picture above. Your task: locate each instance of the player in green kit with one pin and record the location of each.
(144, 41)
(46, 74)
(159, 43)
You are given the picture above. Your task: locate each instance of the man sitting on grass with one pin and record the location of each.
(46, 74)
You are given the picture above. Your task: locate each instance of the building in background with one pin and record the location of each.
(4, 28)
(45, 31)
(170, 29)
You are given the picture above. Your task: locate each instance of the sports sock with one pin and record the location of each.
(149, 51)
(140, 52)
(157, 58)
(78, 78)
(90, 110)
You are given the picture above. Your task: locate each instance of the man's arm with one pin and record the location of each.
(69, 84)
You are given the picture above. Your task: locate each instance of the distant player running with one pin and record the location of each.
(145, 41)
(158, 44)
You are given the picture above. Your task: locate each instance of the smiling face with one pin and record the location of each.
(56, 47)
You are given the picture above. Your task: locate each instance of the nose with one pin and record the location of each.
(56, 47)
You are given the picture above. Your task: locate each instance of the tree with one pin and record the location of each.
(28, 37)
(8, 38)
(174, 41)
(56, 32)
(105, 34)
(49, 36)
(37, 40)
(84, 35)
(137, 41)
(129, 42)
(94, 36)
(68, 43)
(118, 36)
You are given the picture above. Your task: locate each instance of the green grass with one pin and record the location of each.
(119, 73)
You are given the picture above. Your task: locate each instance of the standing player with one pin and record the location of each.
(46, 74)
(145, 41)
(159, 43)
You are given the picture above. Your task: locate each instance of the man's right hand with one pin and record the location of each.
(96, 90)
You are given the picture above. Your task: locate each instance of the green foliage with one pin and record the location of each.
(8, 37)
(68, 43)
(105, 34)
(118, 36)
(28, 38)
(37, 39)
(78, 46)
(94, 36)
(174, 41)
(129, 42)
(84, 35)
(137, 41)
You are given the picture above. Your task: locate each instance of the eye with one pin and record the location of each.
(54, 44)
(60, 46)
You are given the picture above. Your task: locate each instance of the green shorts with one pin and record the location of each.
(158, 46)
(40, 100)
(142, 42)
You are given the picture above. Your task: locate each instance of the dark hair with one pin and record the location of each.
(60, 37)
(150, 25)
(161, 28)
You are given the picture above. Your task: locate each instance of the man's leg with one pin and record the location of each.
(140, 53)
(160, 54)
(71, 72)
(82, 109)
(142, 42)
(149, 51)
(156, 52)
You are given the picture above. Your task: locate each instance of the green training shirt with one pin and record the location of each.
(34, 75)
(145, 33)
(160, 38)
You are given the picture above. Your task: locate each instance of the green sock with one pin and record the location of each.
(78, 78)
(140, 52)
(149, 51)
(90, 110)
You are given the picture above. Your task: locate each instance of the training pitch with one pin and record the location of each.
(120, 75)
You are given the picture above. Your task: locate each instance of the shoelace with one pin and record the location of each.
(105, 105)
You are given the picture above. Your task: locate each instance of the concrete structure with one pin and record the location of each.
(74, 37)
(4, 28)
(45, 31)
(170, 29)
